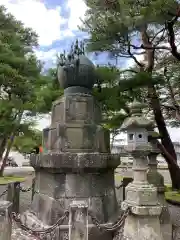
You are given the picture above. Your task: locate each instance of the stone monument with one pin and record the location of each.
(77, 164)
(143, 221)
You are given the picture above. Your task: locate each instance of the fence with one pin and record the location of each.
(125, 181)
(78, 227)
(13, 189)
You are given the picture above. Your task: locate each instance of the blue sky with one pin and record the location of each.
(55, 21)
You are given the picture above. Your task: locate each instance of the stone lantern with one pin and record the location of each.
(137, 127)
(143, 221)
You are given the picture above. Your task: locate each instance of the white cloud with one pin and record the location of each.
(77, 10)
(44, 122)
(46, 55)
(33, 13)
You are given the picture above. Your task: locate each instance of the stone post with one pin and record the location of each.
(155, 178)
(143, 221)
(13, 195)
(5, 220)
(78, 221)
(78, 164)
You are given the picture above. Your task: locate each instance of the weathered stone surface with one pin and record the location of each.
(61, 162)
(142, 228)
(143, 195)
(155, 178)
(77, 165)
(77, 72)
(174, 210)
(78, 221)
(5, 220)
(76, 109)
(48, 209)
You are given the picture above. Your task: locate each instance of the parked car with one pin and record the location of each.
(10, 162)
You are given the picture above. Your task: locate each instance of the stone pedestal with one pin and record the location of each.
(155, 178)
(143, 222)
(13, 195)
(78, 164)
(78, 221)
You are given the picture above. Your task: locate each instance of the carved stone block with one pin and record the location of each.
(141, 195)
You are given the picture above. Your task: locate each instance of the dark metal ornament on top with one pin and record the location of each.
(76, 73)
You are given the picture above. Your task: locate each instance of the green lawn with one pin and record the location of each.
(173, 196)
(6, 180)
(169, 194)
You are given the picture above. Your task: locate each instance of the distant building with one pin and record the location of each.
(118, 147)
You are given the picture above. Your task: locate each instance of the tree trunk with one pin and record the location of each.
(2, 146)
(174, 170)
(10, 143)
(156, 106)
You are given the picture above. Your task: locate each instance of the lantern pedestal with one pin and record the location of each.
(141, 197)
(155, 178)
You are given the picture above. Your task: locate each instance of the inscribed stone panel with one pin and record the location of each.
(52, 137)
(75, 138)
(45, 137)
(58, 112)
(80, 110)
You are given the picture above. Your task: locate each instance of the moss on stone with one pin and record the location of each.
(7, 180)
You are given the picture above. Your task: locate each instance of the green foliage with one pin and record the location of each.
(27, 140)
(113, 24)
(117, 27)
(110, 93)
(25, 91)
(173, 196)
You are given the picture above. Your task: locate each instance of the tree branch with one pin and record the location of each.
(171, 36)
(169, 158)
(147, 47)
(162, 30)
(129, 70)
(133, 57)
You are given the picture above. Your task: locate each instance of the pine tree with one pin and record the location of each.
(147, 29)
(25, 92)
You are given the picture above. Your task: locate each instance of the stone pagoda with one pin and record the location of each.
(143, 222)
(77, 164)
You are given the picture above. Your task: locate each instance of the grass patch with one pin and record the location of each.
(7, 180)
(169, 194)
(173, 196)
(118, 177)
